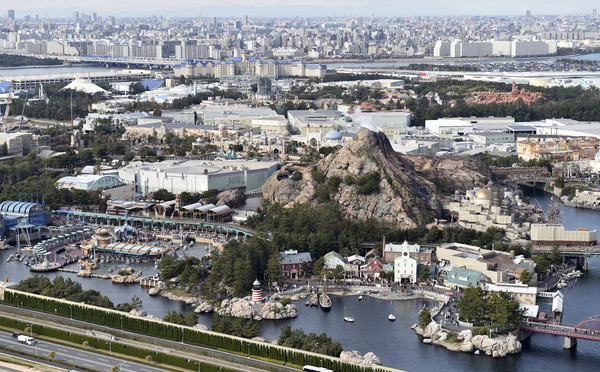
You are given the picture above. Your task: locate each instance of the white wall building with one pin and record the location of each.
(405, 266)
(198, 175)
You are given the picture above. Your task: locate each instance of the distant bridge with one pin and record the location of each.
(588, 329)
(165, 223)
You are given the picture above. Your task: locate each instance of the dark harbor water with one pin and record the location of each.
(394, 342)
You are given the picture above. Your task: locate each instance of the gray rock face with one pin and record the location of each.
(233, 198)
(244, 308)
(409, 186)
(135, 312)
(497, 347)
(204, 307)
(431, 329)
(369, 359)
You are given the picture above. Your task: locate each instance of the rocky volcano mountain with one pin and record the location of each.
(370, 180)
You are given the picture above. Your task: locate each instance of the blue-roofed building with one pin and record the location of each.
(14, 211)
(291, 263)
(152, 84)
(5, 86)
(459, 277)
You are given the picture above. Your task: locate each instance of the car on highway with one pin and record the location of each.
(16, 334)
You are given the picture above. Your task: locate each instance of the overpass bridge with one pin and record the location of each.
(160, 223)
(582, 253)
(588, 329)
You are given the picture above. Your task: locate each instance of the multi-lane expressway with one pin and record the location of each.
(73, 356)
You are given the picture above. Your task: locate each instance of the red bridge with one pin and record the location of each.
(588, 329)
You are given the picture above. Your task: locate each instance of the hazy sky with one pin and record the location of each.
(233, 8)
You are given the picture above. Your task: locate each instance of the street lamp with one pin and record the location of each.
(198, 363)
(109, 347)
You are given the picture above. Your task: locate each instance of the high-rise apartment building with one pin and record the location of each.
(11, 15)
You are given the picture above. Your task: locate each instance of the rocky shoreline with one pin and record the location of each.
(239, 307)
(497, 347)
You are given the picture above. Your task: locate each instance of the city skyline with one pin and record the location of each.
(304, 8)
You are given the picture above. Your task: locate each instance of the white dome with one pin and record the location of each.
(333, 135)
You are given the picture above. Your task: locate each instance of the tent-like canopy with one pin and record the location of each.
(85, 86)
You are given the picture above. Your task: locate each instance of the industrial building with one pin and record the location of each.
(306, 121)
(500, 48)
(27, 82)
(199, 176)
(496, 265)
(550, 234)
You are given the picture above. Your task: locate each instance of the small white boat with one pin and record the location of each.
(360, 297)
(391, 317)
(348, 318)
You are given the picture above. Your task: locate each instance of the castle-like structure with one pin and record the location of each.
(485, 98)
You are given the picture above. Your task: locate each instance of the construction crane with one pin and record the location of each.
(7, 110)
(23, 111)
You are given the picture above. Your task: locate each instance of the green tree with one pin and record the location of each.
(273, 272)
(305, 268)
(186, 198)
(318, 267)
(555, 257)
(115, 369)
(333, 183)
(168, 267)
(504, 313)
(137, 88)
(51, 355)
(424, 318)
(317, 175)
(526, 277)
(240, 327)
(471, 308)
(542, 263)
(338, 273)
(163, 194)
(368, 183)
(424, 273)
(321, 344)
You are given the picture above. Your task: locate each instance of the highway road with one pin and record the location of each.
(204, 354)
(73, 356)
